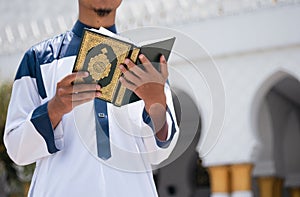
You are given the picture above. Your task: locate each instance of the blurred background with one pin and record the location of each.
(255, 47)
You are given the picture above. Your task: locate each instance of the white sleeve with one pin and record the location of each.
(157, 150)
(28, 134)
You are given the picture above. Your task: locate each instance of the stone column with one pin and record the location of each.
(270, 186)
(219, 181)
(278, 187)
(241, 178)
(295, 192)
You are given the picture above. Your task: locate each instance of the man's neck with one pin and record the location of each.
(93, 20)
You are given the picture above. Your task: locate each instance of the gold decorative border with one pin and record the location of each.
(121, 49)
(122, 90)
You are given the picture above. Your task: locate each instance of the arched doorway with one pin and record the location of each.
(277, 122)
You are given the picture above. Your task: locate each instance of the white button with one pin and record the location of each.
(101, 115)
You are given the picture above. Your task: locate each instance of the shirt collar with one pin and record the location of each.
(79, 27)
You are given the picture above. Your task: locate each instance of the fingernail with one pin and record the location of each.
(141, 56)
(86, 74)
(163, 58)
(98, 94)
(98, 87)
(126, 61)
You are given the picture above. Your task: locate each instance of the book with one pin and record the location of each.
(102, 51)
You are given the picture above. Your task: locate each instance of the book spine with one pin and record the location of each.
(119, 98)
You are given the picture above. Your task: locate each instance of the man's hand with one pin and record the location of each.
(148, 84)
(69, 96)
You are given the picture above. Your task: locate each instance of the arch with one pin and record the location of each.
(262, 91)
(271, 164)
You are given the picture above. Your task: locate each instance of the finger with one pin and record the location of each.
(129, 76)
(122, 68)
(164, 67)
(71, 77)
(137, 71)
(129, 63)
(127, 84)
(146, 63)
(84, 88)
(70, 89)
(85, 95)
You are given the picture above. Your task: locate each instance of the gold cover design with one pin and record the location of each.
(100, 66)
(122, 90)
(100, 55)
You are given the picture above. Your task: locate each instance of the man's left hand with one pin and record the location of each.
(148, 84)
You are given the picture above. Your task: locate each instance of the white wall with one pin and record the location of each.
(252, 52)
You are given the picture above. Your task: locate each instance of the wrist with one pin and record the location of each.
(162, 134)
(157, 113)
(152, 93)
(155, 101)
(54, 115)
(152, 105)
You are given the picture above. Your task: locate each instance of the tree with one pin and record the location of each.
(12, 176)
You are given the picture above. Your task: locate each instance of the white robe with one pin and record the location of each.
(75, 170)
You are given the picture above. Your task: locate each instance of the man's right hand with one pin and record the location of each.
(69, 95)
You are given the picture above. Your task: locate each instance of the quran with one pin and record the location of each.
(102, 51)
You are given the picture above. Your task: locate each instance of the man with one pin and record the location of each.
(48, 113)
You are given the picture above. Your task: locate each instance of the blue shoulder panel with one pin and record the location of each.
(43, 53)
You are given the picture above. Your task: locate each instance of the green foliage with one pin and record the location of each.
(5, 92)
(15, 175)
